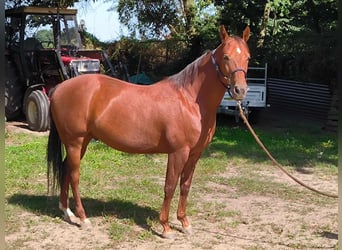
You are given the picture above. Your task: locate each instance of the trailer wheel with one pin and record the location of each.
(253, 117)
(37, 110)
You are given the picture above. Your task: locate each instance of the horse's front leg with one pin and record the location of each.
(175, 164)
(185, 183)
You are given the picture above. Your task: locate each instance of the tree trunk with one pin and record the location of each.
(264, 22)
(193, 38)
(332, 119)
(189, 8)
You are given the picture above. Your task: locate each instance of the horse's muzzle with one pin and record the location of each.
(238, 92)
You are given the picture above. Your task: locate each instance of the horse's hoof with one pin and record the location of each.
(71, 219)
(187, 230)
(86, 224)
(168, 235)
(68, 215)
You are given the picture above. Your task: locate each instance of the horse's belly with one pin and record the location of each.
(131, 136)
(146, 131)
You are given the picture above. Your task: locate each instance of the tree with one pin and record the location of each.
(183, 19)
(312, 25)
(296, 38)
(45, 3)
(148, 18)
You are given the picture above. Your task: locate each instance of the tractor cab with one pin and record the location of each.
(43, 48)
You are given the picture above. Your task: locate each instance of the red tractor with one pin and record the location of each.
(43, 48)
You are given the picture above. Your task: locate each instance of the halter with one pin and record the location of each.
(221, 75)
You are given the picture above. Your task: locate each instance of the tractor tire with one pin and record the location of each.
(37, 111)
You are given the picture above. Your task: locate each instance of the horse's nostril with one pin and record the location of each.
(239, 91)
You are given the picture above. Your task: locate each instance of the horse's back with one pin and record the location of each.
(84, 85)
(78, 91)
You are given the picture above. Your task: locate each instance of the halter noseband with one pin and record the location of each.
(221, 75)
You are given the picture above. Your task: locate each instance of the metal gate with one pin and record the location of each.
(306, 99)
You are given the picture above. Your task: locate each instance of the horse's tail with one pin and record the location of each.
(54, 159)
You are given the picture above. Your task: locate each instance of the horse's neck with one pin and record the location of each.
(206, 86)
(199, 81)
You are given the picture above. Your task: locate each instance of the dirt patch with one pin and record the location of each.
(21, 127)
(259, 223)
(250, 221)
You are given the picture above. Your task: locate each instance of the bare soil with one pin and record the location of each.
(259, 222)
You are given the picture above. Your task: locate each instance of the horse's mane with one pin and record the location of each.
(186, 76)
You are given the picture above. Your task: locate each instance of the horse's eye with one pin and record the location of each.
(226, 57)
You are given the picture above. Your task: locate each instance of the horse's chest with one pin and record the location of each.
(203, 136)
(207, 136)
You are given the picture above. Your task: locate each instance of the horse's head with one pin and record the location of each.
(231, 62)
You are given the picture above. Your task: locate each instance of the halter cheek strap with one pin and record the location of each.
(221, 75)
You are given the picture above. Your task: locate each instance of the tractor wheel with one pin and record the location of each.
(37, 110)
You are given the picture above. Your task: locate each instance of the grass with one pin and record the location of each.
(300, 147)
(127, 190)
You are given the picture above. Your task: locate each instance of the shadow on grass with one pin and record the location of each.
(46, 205)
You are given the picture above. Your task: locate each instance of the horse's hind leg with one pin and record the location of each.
(64, 195)
(72, 176)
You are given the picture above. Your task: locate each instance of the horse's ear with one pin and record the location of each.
(223, 34)
(246, 34)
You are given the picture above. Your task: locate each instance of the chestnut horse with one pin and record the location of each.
(176, 116)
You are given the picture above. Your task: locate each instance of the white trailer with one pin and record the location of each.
(255, 99)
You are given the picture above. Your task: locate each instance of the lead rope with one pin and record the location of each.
(274, 160)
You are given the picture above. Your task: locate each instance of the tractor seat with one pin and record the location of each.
(31, 44)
